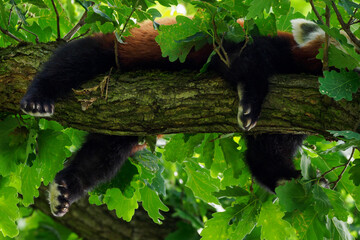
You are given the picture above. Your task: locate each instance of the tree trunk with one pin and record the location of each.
(153, 101)
(98, 223)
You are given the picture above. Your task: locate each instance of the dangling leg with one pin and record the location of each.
(70, 65)
(98, 160)
(270, 157)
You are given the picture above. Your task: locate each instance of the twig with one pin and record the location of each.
(57, 20)
(11, 9)
(6, 32)
(343, 171)
(81, 35)
(36, 36)
(332, 169)
(345, 27)
(351, 18)
(121, 33)
(316, 12)
(219, 49)
(76, 28)
(327, 38)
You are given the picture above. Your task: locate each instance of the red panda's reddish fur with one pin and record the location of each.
(141, 47)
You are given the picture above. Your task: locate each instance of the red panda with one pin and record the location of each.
(269, 156)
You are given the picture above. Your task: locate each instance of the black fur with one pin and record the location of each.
(70, 66)
(97, 161)
(268, 156)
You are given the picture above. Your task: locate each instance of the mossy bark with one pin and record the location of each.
(152, 102)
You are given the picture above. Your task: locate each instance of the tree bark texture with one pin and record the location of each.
(93, 222)
(152, 102)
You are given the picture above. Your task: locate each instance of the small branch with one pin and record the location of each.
(345, 26)
(350, 22)
(343, 171)
(6, 32)
(36, 36)
(76, 28)
(11, 9)
(327, 37)
(122, 31)
(316, 12)
(332, 169)
(57, 20)
(81, 35)
(219, 49)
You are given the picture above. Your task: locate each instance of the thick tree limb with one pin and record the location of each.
(98, 223)
(151, 102)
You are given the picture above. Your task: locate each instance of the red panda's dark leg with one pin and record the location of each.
(97, 161)
(251, 67)
(70, 65)
(269, 157)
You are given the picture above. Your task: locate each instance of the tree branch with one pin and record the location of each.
(97, 222)
(152, 102)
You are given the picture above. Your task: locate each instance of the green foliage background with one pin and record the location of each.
(201, 176)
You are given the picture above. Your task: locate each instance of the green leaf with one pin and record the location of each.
(258, 7)
(10, 155)
(52, 154)
(218, 226)
(355, 172)
(38, 3)
(342, 228)
(201, 183)
(124, 207)
(234, 191)
(206, 150)
(346, 134)
(247, 222)
(292, 195)
(158, 182)
(233, 156)
(30, 182)
(338, 58)
(9, 211)
(338, 208)
(151, 142)
(170, 37)
(273, 226)
(309, 225)
(184, 232)
(322, 202)
(307, 170)
(177, 142)
(219, 164)
(154, 13)
(152, 204)
(96, 199)
(339, 85)
(21, 15)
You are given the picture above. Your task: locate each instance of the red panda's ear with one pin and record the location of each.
(305, 31)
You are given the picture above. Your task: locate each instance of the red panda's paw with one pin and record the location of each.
(248, 110)
(37, 106)
(59, 198)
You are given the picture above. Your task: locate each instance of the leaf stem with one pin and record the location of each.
(345, 26)
(121, 33)
(6, 32)
(343, 171)
(326, 44)
(36, 36)
(316, 12)
(57, 20)
(76, 28)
